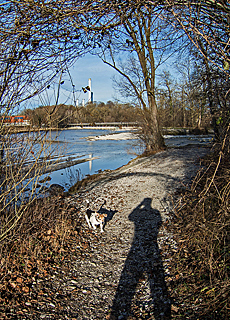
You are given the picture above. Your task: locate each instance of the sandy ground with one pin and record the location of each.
(124, 274)
(113, 136)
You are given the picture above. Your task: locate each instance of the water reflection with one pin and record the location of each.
(90, 162)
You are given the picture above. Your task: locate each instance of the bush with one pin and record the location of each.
(201, 226)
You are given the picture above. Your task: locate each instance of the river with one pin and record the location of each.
(105, 154)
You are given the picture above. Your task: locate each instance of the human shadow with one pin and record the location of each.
(143, 264)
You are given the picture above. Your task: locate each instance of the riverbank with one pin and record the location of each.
(139, 266)
(93, 272)
(154, 253)
(165, 131)
(114, 136)
(133, 135)
(103, 151)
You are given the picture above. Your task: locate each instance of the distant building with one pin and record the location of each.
(90, 93)
(15, 120)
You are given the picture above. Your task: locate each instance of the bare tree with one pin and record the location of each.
(167, 82)
(206, 24)
(183, 102)
(39, 41)
(146, 40)
(206, 27)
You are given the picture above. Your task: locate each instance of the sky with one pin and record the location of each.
(84, 68)
(100, 74)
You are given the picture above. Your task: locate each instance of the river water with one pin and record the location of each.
(109, 154)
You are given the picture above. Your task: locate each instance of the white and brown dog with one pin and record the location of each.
(95, 218)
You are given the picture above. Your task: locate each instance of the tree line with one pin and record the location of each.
(40, 41)
(90, 113)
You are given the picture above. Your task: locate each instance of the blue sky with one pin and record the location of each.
(100, 74)
(84, 68)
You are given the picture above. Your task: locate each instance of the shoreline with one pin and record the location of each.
(118, 136)
(91, 180)
(113, 136)
(140, 199)
(132, 135)
(165, 131)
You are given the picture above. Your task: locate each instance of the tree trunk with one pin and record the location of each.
(183, 109)
(152, 136)
(198, 124)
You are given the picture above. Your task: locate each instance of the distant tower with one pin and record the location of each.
(90, 93)
(77, 103)
(83, 102)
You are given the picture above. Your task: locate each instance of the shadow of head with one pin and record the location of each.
(144, 214)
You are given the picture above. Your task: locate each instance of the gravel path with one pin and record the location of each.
(123, 273)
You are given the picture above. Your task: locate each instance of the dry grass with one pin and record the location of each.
(40, 236)
(200, 286)
(48, 240)
(201, 226)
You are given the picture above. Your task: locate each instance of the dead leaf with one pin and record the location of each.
(13, 285)
(26, 289)
(19, 280)
(19, 312)
(174, 308)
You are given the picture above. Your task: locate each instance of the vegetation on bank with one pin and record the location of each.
(91, 113)
(33, 254)
(201, 226)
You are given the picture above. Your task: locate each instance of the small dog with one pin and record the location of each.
(94, 218)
